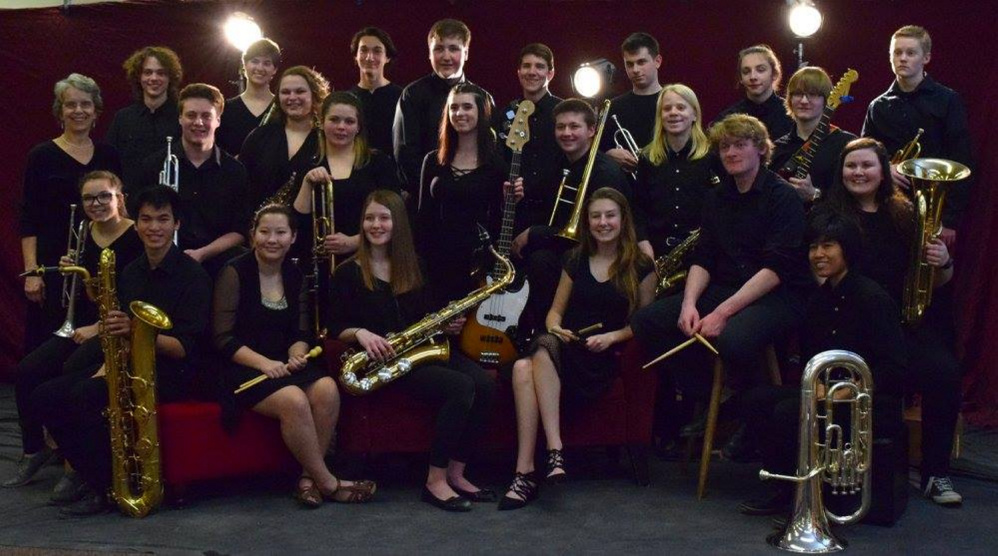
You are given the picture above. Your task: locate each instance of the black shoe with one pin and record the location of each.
(739, 448)
(28, 467)
(69, 489)
(92, 503)
(524, 485)
(452, 504)
(486, 495)
(777, 501)
(556, 467)
(940, 490)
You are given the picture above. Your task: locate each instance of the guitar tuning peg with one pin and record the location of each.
(847, 98)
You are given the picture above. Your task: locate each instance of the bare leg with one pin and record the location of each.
(527, 415)
(291, 407)
(548, 388)
(436, 483)
(324, 399)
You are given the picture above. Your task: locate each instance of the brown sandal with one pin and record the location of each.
(358, 492)
(308, 495)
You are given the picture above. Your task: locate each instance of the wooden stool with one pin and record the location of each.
(714, 407)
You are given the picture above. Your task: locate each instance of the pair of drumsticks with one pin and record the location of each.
(695, 338)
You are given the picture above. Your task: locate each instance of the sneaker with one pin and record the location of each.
(940, 490)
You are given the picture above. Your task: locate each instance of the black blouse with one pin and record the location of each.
(265, 155)
(240, 318)
(51, 184)
(886, 252)
(237, 123)
(668, 198)
(377, 310)
(592, 301)
(127, 247)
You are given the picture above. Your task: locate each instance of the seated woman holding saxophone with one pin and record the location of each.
(604, 280)
(383, 290)
(106, 226)
(72, 406)
(865, 192)
(674, 173)
(259, 327)
(353, 167)
(851, 312)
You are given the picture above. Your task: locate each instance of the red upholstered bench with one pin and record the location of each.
(194, 446)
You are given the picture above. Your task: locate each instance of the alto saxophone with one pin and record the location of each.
(416, 344)
(669, 267)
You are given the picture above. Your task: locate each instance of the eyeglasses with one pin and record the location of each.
(811, 96)
(102, 198)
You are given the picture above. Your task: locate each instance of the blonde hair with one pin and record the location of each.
(701, 146)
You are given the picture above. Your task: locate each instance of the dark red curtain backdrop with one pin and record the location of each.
(699, 38)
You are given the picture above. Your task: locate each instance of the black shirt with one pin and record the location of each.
(742, 233)
(894, 118)
(51, 184)
(668, 198)
(772, 112)
(377, 310)
(636, 114)
(138, 132)
(886, 252)
(265, 155)
(538, 161)
(825, 162)
(857, 315)
(213, 197)
(237, 123)
(180, 288)
(127, 247)
(417, 124)
(379, 114)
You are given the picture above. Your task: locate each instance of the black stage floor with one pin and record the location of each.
(600, 510)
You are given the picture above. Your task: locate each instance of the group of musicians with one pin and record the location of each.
(223, 245)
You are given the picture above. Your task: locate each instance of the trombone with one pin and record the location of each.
(571, 229)
(323, 224)
(623, 139)
(170, 174)
(77, 242)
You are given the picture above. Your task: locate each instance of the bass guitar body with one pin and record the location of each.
(489, 336)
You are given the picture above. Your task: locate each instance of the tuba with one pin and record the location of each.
(929, 179)
(669, 267)
(416, 344)
(71, 286)
(571, 229)
(824, 456)
(910, 150)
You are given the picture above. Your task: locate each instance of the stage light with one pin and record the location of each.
(593, 78)
(241, 31)
(804, 18)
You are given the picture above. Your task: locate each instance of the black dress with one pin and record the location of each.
(586, 375)
(51, 184)
(242, 319)
(265, 156)
(237, 123)
(451, 206)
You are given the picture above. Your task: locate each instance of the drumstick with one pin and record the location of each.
(706, 344)
(590, 328)
(672, 351)
(315, 352)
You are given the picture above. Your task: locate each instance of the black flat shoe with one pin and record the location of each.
(70, 488)
(556, 467)
(28, 467)
(524, 485)
(92, 503)
(452, 504)
(486, 495)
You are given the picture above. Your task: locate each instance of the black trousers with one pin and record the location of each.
(464, 392)
(38, 367)
(937, 375)
(741, 342)
(42, 320)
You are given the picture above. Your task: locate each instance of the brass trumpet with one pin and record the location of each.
(170, 174)
(910, 150)
(571, 229)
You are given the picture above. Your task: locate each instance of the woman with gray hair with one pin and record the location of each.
(51, 184)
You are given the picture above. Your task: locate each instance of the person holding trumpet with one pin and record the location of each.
(259, 327)
(603, 281)
(107, 226)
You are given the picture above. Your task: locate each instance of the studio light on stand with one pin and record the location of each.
(593, 79)
(241, 31)
(804, 20)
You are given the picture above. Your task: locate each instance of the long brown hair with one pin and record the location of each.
(888, 197)
(624, 271)
(447, 136)
(406, 275)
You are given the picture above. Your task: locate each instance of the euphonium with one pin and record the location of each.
(416, 344)
(824, 456)
(910, 150)
(929, 179)
(571, 228)
(130, 372)
(71, 285)
(669, 267)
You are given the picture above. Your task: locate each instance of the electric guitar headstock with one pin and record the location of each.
(519, 130)
(840, 93)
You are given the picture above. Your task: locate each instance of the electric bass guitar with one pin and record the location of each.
(488, 336)
(799, 165)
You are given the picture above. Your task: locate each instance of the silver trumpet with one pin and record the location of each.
(77, 242)
(624, 140)
(170, 174)
(844, 380)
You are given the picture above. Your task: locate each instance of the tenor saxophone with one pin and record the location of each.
(416, 344)
(669, 267)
